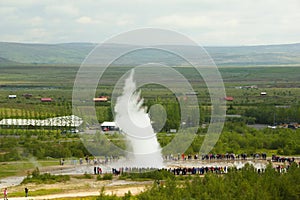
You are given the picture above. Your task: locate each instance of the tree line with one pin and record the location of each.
(236, 138)
(273, 114)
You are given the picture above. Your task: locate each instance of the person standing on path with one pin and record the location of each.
(26, 192)
(5, 193)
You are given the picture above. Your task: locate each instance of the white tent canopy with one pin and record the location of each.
(64, 121)
(112, 124)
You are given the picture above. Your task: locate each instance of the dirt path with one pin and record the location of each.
(117, 191)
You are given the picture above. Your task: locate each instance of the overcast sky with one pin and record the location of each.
(208, 22)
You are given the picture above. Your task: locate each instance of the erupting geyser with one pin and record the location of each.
(143, 147)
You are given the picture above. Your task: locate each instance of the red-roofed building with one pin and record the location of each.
(46, 99)
(229, 98)
(100, 99)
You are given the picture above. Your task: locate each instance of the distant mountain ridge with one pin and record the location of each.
(6, 61)
(282, 54)
(75, 53)
(69, 53)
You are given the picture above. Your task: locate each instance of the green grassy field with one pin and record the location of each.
(37, 193)
(20, 168)
(281, 83)
(57, 81)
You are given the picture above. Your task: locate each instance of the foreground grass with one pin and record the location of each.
(40, 192)
(74, 186)
(77, 198)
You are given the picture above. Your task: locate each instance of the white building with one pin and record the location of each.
(12, 96)
(71, 121)
(109, 126)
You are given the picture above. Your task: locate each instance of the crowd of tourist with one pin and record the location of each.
(175, 171)
(196, 170)
(107, 160)
(282, 159)
(226, 156)
(99, 161)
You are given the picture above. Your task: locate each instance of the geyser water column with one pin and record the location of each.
(133, 120)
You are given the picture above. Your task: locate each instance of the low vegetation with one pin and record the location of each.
(46, 178)
(237, 184)
(151, 175)
(244, 184)
(104, 177)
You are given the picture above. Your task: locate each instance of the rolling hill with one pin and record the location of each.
(74, 53)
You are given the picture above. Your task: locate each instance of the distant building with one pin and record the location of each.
(228, 98)
(100, 99)
(109, 126)
(233, 116)
(250, 87)
(46, 99)
(192, 93)
(247, 87)
(263, 93)
(27, 96)
(12, 96)
(279, 106)
(272, 127)
(173, 131)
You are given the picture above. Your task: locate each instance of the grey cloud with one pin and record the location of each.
(212, 22)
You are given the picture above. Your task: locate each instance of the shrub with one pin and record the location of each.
(153, 175)
(87, 176)
(105, 177)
